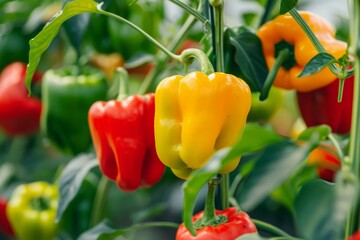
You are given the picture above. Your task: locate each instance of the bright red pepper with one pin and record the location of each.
(320, 106)
(19, 113)
(356, 236)
(5, 226)
(238, 224)
(123, 136)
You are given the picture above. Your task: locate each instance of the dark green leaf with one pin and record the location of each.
(71, 179)
(104, 230)
(95, 232)
(249, 142)
(318, 214)
(251, 236)
(287, 5)
(41, 42)
(75, 28)
(323, 132)
(244, 57)
(277, 163)
(317, 63)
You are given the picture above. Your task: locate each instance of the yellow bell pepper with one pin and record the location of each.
(285, 32)
(32, 211)
(196, 115)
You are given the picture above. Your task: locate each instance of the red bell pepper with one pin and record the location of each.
(237, 224)
(5, 226)
(19, 113)
(320, 106)
(123, 136)
(356, 236)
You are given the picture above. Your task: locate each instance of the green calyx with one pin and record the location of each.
(217, 220)
(39, 204)
(290, 62)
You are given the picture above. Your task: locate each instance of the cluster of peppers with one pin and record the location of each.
(133, 142)
(317, 93)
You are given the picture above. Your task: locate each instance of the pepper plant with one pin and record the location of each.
(170, 151)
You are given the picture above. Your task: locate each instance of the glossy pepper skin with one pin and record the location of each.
(196, 115)
(355, 236)
(32, 211)
(19, 113)
(123, 136)
(284, 31)
(238, 224)
(68, 94)
(5, 226)
(321, 106)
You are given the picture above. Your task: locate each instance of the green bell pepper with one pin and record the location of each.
(32, 211)
(67, 95)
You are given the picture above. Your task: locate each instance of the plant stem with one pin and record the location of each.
(218, 46)
(269, 228)
(123, 78)
(177, 40)
(319, 47)
(209, 211)
(281, 58)
(99, 201)
(338, 148)
(146, 35)
(194, 13)
(354, 152)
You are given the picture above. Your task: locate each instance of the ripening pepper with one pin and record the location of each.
(321, 106)
(5, 226)
(32, 211)
(123, 135)
(284, 32)
(197, 115)
(68, 94)
(19, 113)
(237, 224)
(326, 162)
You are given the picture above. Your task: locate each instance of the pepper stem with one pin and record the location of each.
(281, 58)
(40, 203)
(123, 79)
(210, 218)
(187, 55)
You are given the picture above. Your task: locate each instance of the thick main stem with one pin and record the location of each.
(354, 152)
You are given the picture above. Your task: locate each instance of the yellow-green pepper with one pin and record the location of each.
(32, 211)
(195, 115)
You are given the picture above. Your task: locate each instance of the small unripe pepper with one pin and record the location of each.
(195, 116)
(68, 93)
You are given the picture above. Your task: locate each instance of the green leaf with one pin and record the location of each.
(105, 231)
(323, 132)
(244, 57)
(138, 61)
(276, 164)
(318, 214)
(251, 236)
(42, 40)
(317, 63)
(75, 28)
(71, 179)
(249, 142)
(287, 5)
